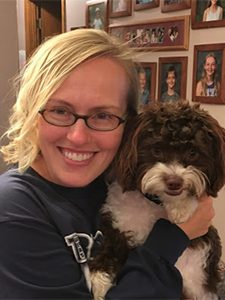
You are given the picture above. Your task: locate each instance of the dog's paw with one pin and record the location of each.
(100, 282)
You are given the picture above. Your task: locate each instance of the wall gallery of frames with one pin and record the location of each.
(162, 29)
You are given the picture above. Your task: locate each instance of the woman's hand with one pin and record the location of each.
(198, 224)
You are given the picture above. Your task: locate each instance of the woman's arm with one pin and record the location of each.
(149, 272)
(220, 12)
(199, 89)
(205, 14)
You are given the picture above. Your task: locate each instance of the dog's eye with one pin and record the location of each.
(192, 154)
(156, 151)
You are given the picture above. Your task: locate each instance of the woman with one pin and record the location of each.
(213, 12)
(208, 85)
(76, 93)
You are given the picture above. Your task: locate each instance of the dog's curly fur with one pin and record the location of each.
(176, 151)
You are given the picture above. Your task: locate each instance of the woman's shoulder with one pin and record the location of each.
(20, 195)
(206, 11)
(199, 83)
(220, 8)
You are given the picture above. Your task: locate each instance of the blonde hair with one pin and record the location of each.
(214, 77)
(48, 67)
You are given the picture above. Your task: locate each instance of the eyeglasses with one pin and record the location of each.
(101, 121)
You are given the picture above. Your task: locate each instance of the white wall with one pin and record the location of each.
(75, 13)
(197, 36)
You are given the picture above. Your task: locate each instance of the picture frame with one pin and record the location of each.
(120, 8)
(78, 27)
(147, 76)
(198, 7)
(174, 5)
(209, 62)
(158, 34)
(172, 78)
(145, 4)
(97, 14)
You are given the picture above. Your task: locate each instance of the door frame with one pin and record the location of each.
(31, 37)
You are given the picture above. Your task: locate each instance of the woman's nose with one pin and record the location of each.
(79, 133)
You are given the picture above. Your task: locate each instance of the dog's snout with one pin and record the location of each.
(174, 182)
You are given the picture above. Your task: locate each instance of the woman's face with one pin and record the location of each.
(210, 66)
(74, 156)
(142, 80)
(171, 80)
(213, 2)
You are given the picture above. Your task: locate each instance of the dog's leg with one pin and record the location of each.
(110, 258)
(101, 282)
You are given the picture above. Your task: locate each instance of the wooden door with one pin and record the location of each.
(43, 19)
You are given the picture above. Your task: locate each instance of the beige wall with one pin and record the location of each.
(8, 59)
(197, 36)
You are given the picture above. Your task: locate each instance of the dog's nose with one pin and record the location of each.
(173, 182)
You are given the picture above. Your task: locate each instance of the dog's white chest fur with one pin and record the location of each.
(132, 212)
(136, 215)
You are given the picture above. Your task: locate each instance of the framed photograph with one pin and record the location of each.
(173, 5)
(145, 4)
(160, 34)
(209, 74)
(147, 79)
(96, 14)
(172, 78)
(207, 14)
(120, 8)
(79, 27)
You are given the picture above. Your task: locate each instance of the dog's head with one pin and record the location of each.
(165, 133)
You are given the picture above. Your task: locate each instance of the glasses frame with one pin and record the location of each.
(83, 117)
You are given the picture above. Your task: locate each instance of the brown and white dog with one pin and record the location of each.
(177, 152)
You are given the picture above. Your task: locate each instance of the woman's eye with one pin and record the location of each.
(103, 116)
(59, 111)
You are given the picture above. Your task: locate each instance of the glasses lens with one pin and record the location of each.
(103, 121)
(59, 117)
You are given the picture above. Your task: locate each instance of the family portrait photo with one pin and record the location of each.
(120, 8)
(208, 73)
(172, 78)
(96, 14)
(147, 80)
(207, 13)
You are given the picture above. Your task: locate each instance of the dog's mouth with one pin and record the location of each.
(176, 192)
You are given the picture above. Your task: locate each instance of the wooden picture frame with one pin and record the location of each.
(78, 27)
(197, 12)
(145, 4)
(209, 59)
(173, 78)
(174, 5)
(158, 34)
(120, 8)
(99, 8)
(147, 76)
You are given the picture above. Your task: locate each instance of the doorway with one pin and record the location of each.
(43, 19)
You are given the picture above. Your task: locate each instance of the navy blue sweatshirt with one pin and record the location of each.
(36, 262)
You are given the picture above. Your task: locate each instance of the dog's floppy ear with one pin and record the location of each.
(126, 160)
(218, 139)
